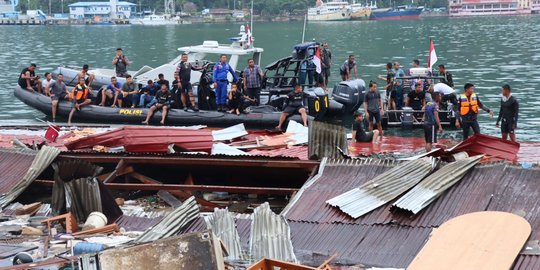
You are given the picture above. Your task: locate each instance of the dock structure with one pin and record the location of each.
(13, 21)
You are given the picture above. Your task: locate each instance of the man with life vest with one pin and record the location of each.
(79, 97)
(468, 111)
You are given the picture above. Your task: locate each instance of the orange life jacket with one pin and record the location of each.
(467, 104)
(79, 92)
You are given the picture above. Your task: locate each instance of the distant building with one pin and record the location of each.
(7, 8)
(535, 6)
(490, 7)
(112, 9)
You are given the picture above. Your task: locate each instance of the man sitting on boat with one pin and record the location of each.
(147, 95)
(130, 91)
(79, 97)
(347, 67)
(295, 104)
(161, 81)
(183, 82)
(88, 77)
(221, 70)
(48, 80)
(57, 90)
(28, 79)
(120, 62)
(236, 100)
(163, 103)
(110, 91)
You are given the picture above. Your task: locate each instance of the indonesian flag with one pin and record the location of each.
(317, 60)
(249, 36)
(432, 55)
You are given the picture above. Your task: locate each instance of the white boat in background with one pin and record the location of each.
(330, 11)
(361, 11)
(199, 55)
(159, 20)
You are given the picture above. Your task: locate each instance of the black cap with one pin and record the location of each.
(85, 66)
(118, 49)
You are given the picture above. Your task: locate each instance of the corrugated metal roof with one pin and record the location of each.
(383, 188)
(243, 226)
(326, 140)
(18, 172)
(172, 223)
(270, 236)
(134, 223)
(392, 238)
(300, 152)
(434, 185)
(222, 224)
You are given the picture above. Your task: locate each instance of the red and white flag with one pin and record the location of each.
(432, 55)
(317, 60)
(249, 36)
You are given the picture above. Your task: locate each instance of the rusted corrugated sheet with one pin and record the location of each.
(327, 140)
(145, 139)
(434, 185)
(383, 188)
(14, 164)
(299, 152)
(391, 239)
(17, 174)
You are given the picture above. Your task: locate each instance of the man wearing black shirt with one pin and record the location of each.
(358, 134)
(295, 105)
(417, 98)
(447, 76)
(184, 83)
(163, 103)
(28, 79)
(508, 113)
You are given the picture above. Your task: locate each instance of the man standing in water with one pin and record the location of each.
(373, 107)
(468, 111)
(221, 70)
(121, 62)
(508, 113)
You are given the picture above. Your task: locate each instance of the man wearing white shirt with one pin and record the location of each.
(448, 94)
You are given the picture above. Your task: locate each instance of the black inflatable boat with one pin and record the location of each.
(258, 117)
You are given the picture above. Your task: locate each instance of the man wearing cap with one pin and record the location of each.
(432, 121)
(468, 111)
(121, 62)
(358, 133)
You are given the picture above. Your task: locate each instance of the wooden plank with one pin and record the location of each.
(477, 241)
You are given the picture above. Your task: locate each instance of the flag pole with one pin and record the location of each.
(304, 30)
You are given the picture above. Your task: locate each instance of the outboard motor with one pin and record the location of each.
(318, 102)
(407, 118)
(350, 94)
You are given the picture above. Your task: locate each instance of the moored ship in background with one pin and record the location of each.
(330, 11)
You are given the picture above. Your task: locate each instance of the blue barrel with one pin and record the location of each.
(86, 247)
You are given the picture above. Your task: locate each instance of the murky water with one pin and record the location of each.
(485, 51)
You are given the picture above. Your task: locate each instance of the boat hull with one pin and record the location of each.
(409, 14)
(176, 117)
(362, 14)
(342, 15)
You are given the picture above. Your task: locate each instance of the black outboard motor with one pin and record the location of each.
(350, 94)
(206, 97)
(317, 102)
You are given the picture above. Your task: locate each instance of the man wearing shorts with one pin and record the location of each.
(28, 79)
(373, 107)
(358, 133)
(183, 82)
(432, 121)
(508, 113)
(58, 91)
(80, 96)
(295, 105)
